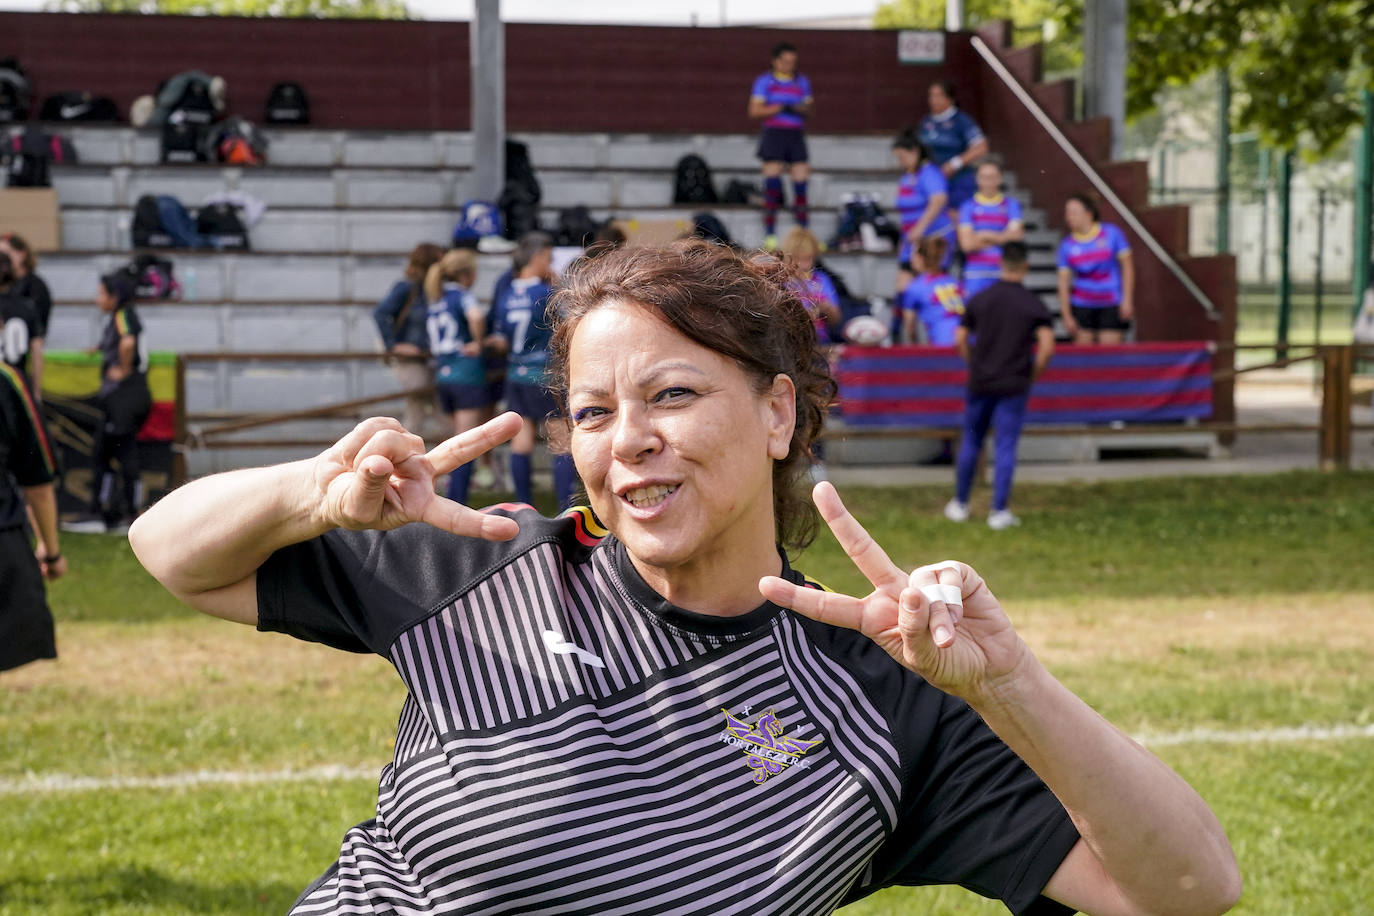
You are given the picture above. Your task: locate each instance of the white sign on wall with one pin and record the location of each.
(919, 47)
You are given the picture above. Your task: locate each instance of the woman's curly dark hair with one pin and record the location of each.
(741, 306)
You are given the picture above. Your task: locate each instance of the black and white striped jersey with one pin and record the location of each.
(572, 743)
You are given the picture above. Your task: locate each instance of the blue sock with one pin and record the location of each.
(564, 477)
(520, 476)
(800, 204)
(458, 483)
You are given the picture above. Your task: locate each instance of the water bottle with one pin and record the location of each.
(189, 286)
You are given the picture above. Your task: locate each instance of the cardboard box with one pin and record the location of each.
(652, 233)
(32, 213)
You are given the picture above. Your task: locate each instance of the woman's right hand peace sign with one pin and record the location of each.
(380, 476)
(941, 621)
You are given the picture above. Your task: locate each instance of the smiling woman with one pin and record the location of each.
(645, 709)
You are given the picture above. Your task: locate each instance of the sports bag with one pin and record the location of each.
(706, 225)
(78, 106)
(575, 227)
(520, 170)
(15, 94)
(692, 184)
(183, 141)
(478, 220)
(235, 141)
(153, 277)
(29, 158)
(519, 210)
(287, 104)
(221, 227)
(147, 226)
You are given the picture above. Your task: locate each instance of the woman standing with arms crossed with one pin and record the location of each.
(1096, 276)
(661, 716)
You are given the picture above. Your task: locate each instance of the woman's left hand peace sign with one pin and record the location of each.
(962, 645)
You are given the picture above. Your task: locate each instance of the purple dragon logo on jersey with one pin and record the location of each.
(765, 748)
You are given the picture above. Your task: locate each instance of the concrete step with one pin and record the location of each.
(313, 147)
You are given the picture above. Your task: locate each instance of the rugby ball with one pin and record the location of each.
(865, 331)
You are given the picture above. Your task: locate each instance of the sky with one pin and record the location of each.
(666, 12)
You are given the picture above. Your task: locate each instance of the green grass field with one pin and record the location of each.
(1239, 605)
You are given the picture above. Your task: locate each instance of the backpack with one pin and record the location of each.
(520, 170)
(78, 106)
(221, 227)
(741, 192)
(147, 226)
(519, 210)
(287, 104)
(575, 227)
(707, 225)
(15, 95)
(693, 182)
(479, 219)
(152, 277)
(177, 223)
(30, 156)
(188, 121)
(235, 141)
(183, 141)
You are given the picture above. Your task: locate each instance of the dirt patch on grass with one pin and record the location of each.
(197, 655)
(1305, 623)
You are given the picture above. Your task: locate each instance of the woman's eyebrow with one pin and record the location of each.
(645, 379)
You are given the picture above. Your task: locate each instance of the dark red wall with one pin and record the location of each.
(369, 74)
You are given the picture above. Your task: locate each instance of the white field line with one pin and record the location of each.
(58, 782)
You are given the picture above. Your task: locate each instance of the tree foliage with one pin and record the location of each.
(296, 9)
(1297, 66)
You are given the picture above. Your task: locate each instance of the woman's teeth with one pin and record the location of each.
(644, 497)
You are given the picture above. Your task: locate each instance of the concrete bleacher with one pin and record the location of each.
(344, 208)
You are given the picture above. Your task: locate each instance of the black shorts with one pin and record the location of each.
(782, 144)
(533, 401)
(1100, 318)
(127, 406)
(461, 397)
(26, 627)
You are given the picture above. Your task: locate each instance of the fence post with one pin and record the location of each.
(1285, 253)
(1364, 201)
(1223, 161)
(1338, 364)
(179, 426)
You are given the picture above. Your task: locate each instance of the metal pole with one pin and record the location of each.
(486, 41)
(954, 15)
(1104, 64)
(1265, 166)
(1223, 161)
(1321, 247)
(1364, 203)
(1285, 237)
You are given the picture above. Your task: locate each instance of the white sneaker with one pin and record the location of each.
(1002, 519)
(956, 511)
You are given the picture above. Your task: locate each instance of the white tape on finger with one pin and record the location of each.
(949, 594)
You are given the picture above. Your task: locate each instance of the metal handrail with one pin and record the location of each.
(1097, 181)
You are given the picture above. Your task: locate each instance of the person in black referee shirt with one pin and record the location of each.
(27, 466)
(640, 707)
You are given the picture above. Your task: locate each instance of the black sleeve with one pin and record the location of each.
(28, 456)
(970, 317)
(358, 590)
(135, 324)
(42, 302)
(974, 814)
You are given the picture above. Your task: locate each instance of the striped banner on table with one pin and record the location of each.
(926, 386)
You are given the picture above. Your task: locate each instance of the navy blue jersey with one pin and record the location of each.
(521, 316)
(450, 334)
